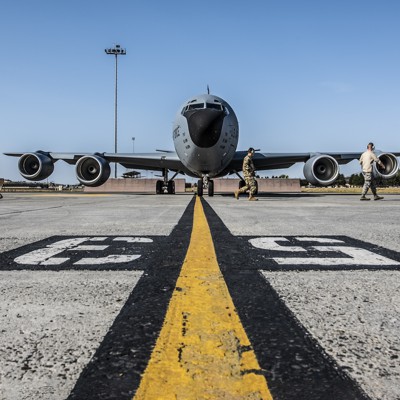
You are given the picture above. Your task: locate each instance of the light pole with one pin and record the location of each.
(133, 145)
(116, 51)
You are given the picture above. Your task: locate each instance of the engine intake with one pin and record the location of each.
(321, 170)
(391, 166)
(35, 166)
(92, 170)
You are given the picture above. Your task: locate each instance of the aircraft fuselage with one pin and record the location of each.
(205, 135)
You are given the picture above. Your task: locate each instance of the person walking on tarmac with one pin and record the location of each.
(366, 160)
(249, 173)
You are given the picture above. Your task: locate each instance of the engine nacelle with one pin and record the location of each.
(391, 166)
(35, 166)
(92, 170)
(321, 170)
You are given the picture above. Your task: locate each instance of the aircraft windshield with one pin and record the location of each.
(201, 106)
(214, 106)
(196, 106)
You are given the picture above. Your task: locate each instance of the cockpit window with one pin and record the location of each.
(214, 106)
(197, 106)
(200, 106)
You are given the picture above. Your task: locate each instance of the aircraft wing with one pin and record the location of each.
(149, 161)
(265, 161)
(319, 168)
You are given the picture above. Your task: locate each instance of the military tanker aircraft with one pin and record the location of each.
(205, 135)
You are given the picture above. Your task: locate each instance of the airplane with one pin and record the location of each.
(205, 135)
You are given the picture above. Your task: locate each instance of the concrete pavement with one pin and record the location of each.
(56, 315)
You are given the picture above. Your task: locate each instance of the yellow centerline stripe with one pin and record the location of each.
(203, 351)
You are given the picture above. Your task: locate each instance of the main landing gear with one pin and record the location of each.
(207, 184)
(166, 185)
(162, 187)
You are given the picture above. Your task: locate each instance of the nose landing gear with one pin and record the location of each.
(207, 184)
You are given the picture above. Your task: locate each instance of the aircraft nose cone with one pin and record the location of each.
(205, 126)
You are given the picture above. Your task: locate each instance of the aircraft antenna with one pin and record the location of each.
(208, 89)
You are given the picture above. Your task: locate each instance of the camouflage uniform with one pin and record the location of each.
(369, 183)
(249, 172)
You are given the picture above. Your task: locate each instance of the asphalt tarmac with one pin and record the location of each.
(86, 283)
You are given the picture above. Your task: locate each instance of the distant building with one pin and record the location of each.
(132, 174)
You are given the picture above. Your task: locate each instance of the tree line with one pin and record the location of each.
(358, 180)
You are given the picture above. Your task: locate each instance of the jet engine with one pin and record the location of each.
(35, 166)
(92, 170)
(391, 166)
(321, 170)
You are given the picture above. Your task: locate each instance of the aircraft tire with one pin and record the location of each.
(171, 187)
(210, 188)
(159, 185)
(200, 187)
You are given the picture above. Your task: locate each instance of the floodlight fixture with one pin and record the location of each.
(117, 50)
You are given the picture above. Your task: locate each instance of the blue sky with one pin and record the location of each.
(301, 75)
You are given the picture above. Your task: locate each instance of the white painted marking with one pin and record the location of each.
(45, 255)
(130, 239)
(269, 243)
(318, 240)
(90, 247)
(111, 259)
(357, 257)
(97, 239)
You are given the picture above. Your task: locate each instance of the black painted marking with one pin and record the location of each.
(263, 259)
(295, 365)
(145, 250)
(115, 370)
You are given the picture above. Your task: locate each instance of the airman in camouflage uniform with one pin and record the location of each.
(366, 161)
(249, 173)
